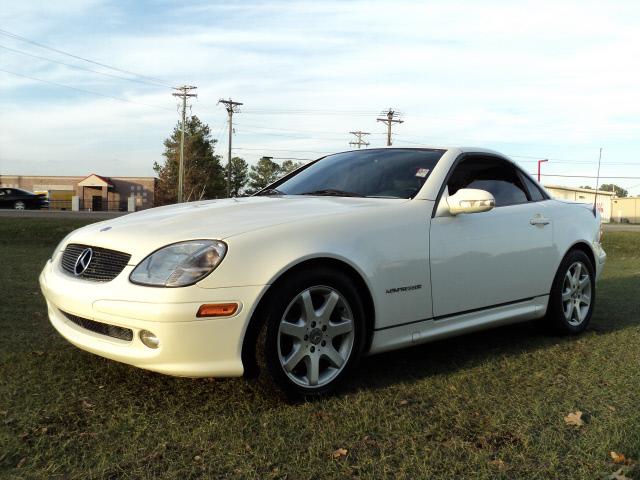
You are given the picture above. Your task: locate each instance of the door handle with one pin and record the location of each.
(539, 220)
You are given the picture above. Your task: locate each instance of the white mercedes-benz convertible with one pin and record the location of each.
(353, 254)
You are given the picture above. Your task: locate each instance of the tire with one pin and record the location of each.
(19, 205)
(573, 295)
(307, 351)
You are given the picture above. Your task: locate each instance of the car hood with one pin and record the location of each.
(143, 232)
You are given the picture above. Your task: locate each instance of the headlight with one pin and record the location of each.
(180, 264)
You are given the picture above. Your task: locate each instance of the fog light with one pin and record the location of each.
(149, 339)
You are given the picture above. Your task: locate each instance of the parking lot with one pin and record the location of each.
(487, 405)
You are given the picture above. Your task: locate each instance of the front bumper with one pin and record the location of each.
(189, 346)
(601, 259)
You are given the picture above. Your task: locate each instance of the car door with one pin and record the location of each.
(487, 259)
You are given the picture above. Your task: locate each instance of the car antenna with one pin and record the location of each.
(595, 198)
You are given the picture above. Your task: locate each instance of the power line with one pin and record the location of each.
(84, 91)
(282, 150)
(586, 176)
(390, 120)
(359, 140)
(77, 57)
(77, 67)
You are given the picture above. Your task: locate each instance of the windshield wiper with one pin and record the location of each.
(332, 192)
(270, 191)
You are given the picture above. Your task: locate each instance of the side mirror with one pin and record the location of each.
(470, 200)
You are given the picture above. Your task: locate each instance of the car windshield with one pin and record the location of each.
(386, 173)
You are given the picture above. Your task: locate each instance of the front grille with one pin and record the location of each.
(105, 265)
(113, 331)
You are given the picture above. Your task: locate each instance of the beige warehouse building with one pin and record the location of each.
(584, 195)
(625, 210)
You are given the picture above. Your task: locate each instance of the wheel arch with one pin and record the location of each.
(583, 247)
(251, 333)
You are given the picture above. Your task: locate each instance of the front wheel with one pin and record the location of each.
(19, 205)
(314, 332)
(573, 294)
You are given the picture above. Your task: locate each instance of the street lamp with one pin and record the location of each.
(539, 162)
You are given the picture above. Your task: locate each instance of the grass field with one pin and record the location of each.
(488, 405)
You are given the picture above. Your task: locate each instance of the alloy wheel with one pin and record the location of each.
(315, 336)
(576, 293)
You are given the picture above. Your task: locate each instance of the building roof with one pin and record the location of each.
(94, 180)
(581, 190)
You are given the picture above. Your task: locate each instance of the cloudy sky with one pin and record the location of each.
(533, 80)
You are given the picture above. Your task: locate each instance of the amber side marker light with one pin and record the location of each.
(217, 310)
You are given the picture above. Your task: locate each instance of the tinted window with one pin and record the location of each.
(371, 173)
(493, 175)
(534, 190)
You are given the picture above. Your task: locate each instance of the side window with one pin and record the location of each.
(534, 190)
(2, 192)
(491, 174)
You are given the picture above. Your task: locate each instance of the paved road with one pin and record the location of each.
(621, 227)
(58, 214)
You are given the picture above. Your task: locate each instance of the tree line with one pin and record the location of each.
(205, 177)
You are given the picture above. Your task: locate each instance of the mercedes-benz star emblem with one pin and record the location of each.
(83, 261)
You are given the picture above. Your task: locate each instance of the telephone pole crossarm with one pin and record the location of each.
(231, 108)
(388, 121)
(183, 92)
(359, 140)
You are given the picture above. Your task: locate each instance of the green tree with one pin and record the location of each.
(266, 171)
(611, 187)
(204, 176)
(289, 166)
(239, 176)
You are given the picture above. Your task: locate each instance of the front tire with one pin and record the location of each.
(314, 333)
(573, 295)
(19, 205)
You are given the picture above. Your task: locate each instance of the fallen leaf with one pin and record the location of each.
(4, 412)
(403, 402)
(21, 462)
(86, 404)
(498, 463)
(340, 452)
(197, 458)
(611, 407)
(618, 475)
(617, 457)
(574, 419)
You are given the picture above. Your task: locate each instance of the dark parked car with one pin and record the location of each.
(21, 199)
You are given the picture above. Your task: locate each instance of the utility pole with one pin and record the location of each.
(540, 162)
(231, 107)
(391, 119)
(184, 93)
(360, 141)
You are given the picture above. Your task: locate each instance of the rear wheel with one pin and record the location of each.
(313, 334)
(573, 294)
(19, 205)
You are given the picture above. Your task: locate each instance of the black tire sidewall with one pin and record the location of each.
(284, 292)
(555, 312)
